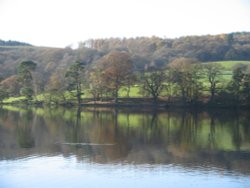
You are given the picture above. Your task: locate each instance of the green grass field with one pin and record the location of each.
(230, 64)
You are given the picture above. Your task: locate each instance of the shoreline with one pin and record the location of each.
(135, 104)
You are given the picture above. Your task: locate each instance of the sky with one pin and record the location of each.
(60, 23)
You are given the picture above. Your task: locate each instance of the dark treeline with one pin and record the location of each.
(13, 43)
(169, 68)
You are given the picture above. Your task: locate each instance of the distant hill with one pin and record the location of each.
(233, 46)
(13, 43)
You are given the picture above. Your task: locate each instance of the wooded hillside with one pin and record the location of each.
(144, 52)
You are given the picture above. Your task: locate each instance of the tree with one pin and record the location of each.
(128, 83)
(116, 68)
(240, 85)
(153, 83)
(185, 73)
(96, 83)
(237, 81)
(24, 130)
(213, 72)
(3, 94)
(246, 86)
(74, 76)
(11, 85)
(25, 77)
(55, 89)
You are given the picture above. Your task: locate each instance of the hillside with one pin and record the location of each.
(233, 46)
(144, 52)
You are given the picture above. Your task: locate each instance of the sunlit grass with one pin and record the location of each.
(228, 65)
(134, 91)
(228, 69)
(14, 99)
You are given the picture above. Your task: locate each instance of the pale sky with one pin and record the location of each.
(58, 23)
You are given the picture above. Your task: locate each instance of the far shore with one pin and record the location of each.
(137, 103)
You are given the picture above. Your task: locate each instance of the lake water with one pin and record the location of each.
(58, 147)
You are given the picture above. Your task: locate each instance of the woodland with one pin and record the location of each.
(190, 70)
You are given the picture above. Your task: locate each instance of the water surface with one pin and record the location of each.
(58, 147)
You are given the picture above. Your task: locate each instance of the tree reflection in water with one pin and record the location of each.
(218, 139)
(24, 126)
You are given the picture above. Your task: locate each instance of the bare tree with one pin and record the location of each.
(153, 82)
(213, 72)
(186, 75)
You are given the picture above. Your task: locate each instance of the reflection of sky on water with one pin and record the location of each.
(58, 171)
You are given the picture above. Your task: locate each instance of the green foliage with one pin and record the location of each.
(25, 77)
(3, 94)
(27, 92)
(74, 76)
(24, 70)
(240, 82)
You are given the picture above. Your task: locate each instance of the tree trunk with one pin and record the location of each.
(155, 100)
(184, 98)
(128, 91)
(212, 95)
(78, 94)
(116, 95)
